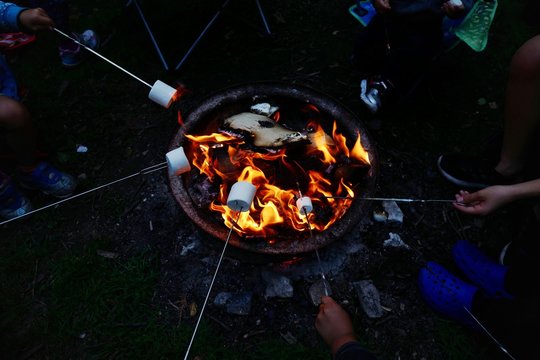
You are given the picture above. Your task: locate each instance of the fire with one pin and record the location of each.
(225, 159)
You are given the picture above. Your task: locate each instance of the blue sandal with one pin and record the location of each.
(447, 294)
(13, 203)
(480, 269)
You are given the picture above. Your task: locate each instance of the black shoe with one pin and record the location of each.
(469, 172)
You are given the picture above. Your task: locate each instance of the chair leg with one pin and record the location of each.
(141, 14)
(263, 17)
(214, 18)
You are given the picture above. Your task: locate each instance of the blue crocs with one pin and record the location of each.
(49, 180)
(447, 294)
(13, 203)
(480, 269)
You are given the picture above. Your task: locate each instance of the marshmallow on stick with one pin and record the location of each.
(304, 205)
(162, 94)
(177, 161)
(241, 196)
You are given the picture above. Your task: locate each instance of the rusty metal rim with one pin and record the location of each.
(348, 121)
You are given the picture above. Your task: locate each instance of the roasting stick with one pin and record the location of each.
(304, 204)
(160, 92)
(391, 199)
(145, 171)
(239, 200)
(177, 163)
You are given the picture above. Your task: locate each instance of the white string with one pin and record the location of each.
(211, 285)
(102, 57)
(144, 171)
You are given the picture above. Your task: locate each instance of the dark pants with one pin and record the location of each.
(511, 321)
(399, 47)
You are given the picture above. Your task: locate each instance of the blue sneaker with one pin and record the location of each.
(447, 294)
(49, 180)
(13, 203)
(480, 269)
(73, 55)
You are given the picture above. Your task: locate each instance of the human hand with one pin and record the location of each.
(334, 324)
(35, 19)
(453, 8)
(483, 201)
(382, 6)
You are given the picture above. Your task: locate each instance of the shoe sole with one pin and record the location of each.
(456, 181)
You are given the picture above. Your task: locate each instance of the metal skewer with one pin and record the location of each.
(211, 285)
(102, 57)
(326, 291)
(389, 199)
(504, 350)
(144, 171)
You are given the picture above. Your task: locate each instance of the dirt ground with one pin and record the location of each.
(98, 106)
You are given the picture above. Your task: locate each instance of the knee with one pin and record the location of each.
(526, 61)
(13, 115)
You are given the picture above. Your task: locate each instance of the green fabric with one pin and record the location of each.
(474, 30)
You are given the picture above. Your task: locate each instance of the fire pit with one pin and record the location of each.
(287, 152)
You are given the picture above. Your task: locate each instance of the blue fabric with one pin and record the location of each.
(416, 6)
(8, 85)
(9, 16)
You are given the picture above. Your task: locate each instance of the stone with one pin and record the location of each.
(222, 298)
(240, 304)
(395, 241)
(394, 212)
(369, 298)
(277, 285)
(319, 289)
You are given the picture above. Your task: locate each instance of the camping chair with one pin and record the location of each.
(203, 32)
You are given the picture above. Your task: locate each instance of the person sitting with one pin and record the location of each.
(399, 43)
(517, 159)
(505, 295)
(17, 130)
(71, 53)
(335, 327)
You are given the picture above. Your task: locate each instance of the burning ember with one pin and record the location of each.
(281, 163)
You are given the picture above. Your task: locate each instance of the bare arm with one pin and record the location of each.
(491, 198)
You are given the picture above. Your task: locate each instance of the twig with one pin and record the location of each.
(223, 325)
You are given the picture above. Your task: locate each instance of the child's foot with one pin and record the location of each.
(13, 203)
(372, 93)
(49, 180)
(72, 54)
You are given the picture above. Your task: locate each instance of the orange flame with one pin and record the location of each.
(225, 159)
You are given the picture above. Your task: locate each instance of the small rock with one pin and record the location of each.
(482, 101)
(240, 304)
(380, 215)
(369, 298)
(493, 105)
(222, 298)
(394, 212)
(318, 290)
(395, 241)
(277, 285)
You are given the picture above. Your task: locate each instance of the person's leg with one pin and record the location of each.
(522, 114)
(18, 131)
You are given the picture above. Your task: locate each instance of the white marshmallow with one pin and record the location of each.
(304, 205)
(177, 161)
(162, 94)
(241, 196)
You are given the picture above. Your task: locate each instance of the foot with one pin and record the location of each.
(469, 172)
(480, 269)
(49, 180)
(13, 203)
(447, 294)
(73, 54)
(372, 93)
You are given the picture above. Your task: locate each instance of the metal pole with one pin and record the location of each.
(202, 34)
(263, 17)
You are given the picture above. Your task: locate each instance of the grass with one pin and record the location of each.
(60, 299)
(89, 306)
